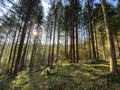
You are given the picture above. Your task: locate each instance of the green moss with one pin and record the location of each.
(66, 76)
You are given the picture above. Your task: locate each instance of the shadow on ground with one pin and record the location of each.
(66, 76)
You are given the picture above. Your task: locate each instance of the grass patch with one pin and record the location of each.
(66, 76)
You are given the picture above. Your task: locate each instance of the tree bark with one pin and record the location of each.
(29, 9)
(58, 44)
(53, 46)
(49, 50)
(25, 48)
(45, 47)
(96, 42)
(112, 54)
(66, 45)
(31, 65)
(20, 48)
(91, 31)
(11, 50)
(72, 33)
(2, 50)
(14, 52)
(77, 49)
(118, 43)
(103, 45)
(90, 50)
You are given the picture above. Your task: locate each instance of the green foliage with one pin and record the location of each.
(66, 76)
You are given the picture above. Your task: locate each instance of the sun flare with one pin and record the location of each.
(35, 33)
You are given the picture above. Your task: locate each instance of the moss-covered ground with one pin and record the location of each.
(66, 76)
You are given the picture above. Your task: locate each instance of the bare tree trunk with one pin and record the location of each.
(66, 45)
(27, 52)
(53, 46)
(11, 50)
(91, 31)
(72, 33)
(103, 45)
(71, 52)
(77, 49)
(29, 9)
(96, 42)
(90, 50)
(117, 36)
(118, 43)
(14, 52)
(20, 48)
(2, 50)
(40, 48)
(58, 44)
(112, 54)
(31, 65)
(45, 47)
(25, 48)
(49, 51)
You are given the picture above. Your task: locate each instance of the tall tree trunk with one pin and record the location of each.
(103, 45)
(71, 52)
(90, 50)
(53, 46)
(14, 52)
(20, 48)
(3, 47)
(45, 47)
(40, 48)
(49, 51)
(25, 48)
(66, 45)
(91, 31)
(58, 44)
(77, 49)
(11, 50)
(72, 32)
(77, 12)
(29, 9)
(96, 42)
(113, 62)
(31, 65)
(118, 44)
(117, 39)
(27, 52)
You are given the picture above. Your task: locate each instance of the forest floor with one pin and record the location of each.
(66, 76)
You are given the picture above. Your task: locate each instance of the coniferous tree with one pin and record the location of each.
(112, 54)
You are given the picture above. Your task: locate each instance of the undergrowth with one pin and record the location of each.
(66, 76)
